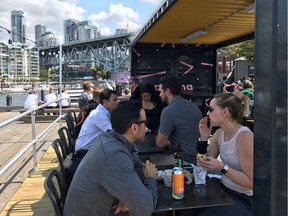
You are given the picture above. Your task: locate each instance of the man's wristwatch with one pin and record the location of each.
(225, 169)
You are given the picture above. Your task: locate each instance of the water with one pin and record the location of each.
(18, 99)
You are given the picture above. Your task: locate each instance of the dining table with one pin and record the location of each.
(195, 197)
(149, 148)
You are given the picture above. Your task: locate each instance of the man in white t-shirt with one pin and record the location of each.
(32, 101)
(65, 102)
(50, 98)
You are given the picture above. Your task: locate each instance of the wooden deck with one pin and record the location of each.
(30, 198)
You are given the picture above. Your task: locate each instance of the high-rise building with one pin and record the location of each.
(17, 26)
(70, 30)
(79, 31)
(39, 31)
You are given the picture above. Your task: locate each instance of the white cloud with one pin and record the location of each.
(153, 2)
(118, 16)
(50, 13)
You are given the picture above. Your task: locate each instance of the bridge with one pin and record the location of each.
(110, 53)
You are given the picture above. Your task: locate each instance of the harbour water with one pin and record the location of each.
(18, 99)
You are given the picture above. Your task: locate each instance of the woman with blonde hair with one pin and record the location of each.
(234, 143)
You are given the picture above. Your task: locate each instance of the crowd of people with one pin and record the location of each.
(107, 175)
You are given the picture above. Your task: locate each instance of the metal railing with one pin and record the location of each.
(34, 138)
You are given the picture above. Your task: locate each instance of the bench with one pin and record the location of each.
(40, 114)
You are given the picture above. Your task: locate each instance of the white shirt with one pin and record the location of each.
(49, 98)
(31, 101)
(65, 99)
(97, 121)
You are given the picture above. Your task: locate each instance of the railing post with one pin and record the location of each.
(35, 168)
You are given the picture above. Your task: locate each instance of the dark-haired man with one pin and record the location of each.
(111, 177)
(179, 120)
(97, 121)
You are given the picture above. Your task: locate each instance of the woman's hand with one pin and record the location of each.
(211, 164)
(204, 130)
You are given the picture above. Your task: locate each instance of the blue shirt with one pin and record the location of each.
(97, 121)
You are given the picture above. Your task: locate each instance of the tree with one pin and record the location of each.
(43, 74)
(100, 73)
(244, 49)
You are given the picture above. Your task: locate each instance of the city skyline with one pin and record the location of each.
(109, 15)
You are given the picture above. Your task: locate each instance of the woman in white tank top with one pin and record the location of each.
(234, 143)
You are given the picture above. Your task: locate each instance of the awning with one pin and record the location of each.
(213, 21)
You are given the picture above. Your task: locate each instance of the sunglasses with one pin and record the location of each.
(141, 121)
(131, 83)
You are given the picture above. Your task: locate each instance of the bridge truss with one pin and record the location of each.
(108, 53)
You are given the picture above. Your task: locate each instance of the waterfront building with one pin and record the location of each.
(19, 61)
(18, 26)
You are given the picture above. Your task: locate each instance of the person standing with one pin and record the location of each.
(234, 143)
(86, 95)
(135, 87)
(111, 178)
(179, 120)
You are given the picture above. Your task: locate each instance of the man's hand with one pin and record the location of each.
(121, 207)
(149, 170)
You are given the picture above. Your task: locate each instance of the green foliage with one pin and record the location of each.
(101, 73)
(243, 49)
(43, 74)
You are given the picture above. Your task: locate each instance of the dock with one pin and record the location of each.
(23, 193)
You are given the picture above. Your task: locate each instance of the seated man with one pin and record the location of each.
(49, 98)
(32, 101)
(179, 120)
(85, 111)
(97, 121)
(86, 94)
(65, 102)
(108, 179)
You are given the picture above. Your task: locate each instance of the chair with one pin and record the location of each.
(55, 191)
(64, 171)
(66, 140)
(70, 125)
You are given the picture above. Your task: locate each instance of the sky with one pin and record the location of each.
(107, 15)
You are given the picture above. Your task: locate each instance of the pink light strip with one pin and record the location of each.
(207, 64)
(188, 65)
(150, 75)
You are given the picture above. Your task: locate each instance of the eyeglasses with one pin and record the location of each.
(141, 121)
(210, 109)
